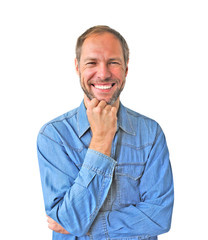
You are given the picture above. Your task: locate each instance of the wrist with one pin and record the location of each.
(101, 145)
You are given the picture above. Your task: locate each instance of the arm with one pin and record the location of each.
(151, 216)
(72, 197)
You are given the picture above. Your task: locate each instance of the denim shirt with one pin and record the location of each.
(126, 196)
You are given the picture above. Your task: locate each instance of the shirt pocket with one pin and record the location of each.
(127, 177)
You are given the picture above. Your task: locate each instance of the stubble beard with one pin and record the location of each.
(113, 98)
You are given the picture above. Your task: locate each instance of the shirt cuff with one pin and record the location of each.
(99, 163)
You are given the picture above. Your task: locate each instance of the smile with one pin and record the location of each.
(106, 86)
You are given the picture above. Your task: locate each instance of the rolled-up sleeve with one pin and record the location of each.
(74, 197)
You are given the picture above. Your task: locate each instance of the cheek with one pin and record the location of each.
(118, 74)
(88, 74)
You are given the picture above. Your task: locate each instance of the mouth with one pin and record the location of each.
(103, 86)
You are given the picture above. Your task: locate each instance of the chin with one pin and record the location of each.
(107, 100)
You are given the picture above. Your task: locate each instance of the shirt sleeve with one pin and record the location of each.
(74, 196)
(151, 216)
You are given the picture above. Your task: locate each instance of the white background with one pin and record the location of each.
(167, 78)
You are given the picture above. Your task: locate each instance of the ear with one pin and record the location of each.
(127, 68)
(76, 66)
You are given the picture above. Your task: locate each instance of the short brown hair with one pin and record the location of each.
(99, 29)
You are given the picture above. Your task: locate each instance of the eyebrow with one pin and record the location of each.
(116, 59)
(90, 59)
(95, 59)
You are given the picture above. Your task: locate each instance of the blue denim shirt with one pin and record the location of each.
(126, 196)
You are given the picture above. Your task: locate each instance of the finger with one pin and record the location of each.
(102, 104)
(100, 107)
(57, 228)
(114, 110)
(50, 220)
(93, 103)
(53, 225)
(107, 108)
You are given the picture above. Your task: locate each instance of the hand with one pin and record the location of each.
(53, 225)
(103, 122)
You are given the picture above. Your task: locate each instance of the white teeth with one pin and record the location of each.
(103, 86)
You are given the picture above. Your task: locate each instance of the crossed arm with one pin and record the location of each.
(151, 216)
(103, 122)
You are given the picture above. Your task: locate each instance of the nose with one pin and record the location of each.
(103, 71)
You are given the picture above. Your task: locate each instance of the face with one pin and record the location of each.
(102, 69)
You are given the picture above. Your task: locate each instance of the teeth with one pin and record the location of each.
(103, 86)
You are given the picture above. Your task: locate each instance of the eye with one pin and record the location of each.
(114, 63)
(90, 63)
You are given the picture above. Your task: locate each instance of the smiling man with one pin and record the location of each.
(105, 169)
(102, 68)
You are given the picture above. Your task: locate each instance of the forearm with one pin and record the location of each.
(74, 195)
(143, 220)
(76, 207)
(103, 122)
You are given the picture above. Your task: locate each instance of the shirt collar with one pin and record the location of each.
(124, 120)
(82, 120)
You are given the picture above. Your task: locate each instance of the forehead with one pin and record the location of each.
(105, 44)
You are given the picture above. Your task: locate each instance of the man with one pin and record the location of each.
(104, 168)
